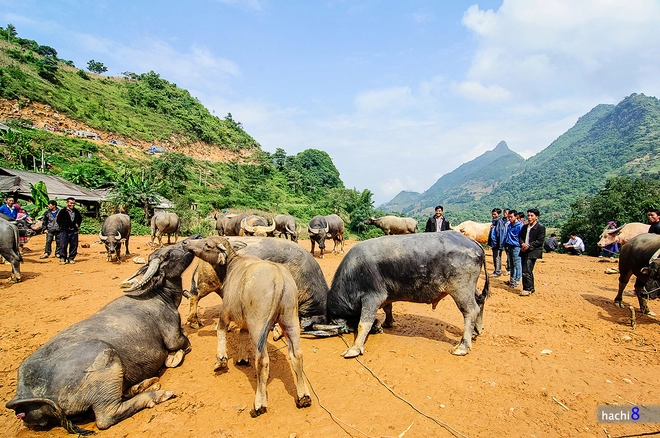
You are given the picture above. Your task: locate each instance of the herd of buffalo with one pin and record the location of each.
(107, 363)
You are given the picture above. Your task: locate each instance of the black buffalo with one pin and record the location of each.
(420, 268)
(326, 227)
(115, 230)
(635, 258)
(107, 363)
(9, 249)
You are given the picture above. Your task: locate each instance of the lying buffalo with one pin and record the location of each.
(107, 363)
(420, 268)
(306, 272)
(9, 249)
(635, 257)
(256, 294)
(115, 230)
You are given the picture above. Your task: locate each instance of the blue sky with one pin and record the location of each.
(398, 93)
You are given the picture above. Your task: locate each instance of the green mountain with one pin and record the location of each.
(467, 184)
(609, 141)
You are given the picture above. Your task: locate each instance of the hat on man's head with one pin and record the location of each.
(611, 223)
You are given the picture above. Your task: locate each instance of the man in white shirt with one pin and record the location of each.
(575, 245)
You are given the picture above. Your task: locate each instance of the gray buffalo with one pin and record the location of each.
(257, 230)
(256, 294)
(306, 272)
(164, 223)
(115, 230)
(107, 363)
(394, 225)
(9, 249)
(326, 227)
(251, 221)
(420, 268)
(634, 259)
(286, 225)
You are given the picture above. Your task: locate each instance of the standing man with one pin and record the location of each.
(654, 220)
(9, 209)
(51, 229)
(512, 245)
(69, 220)
(437, 222)
(496, 239)
(532, 236)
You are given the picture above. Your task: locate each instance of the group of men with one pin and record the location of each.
(522, 242)
(59, 225)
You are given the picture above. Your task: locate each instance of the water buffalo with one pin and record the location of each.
(25, 229)
(306, 272)
(622, 234)
(107, 363)
(286, 225)
(257, 230)
(256, 294)
(9, 249)
(326, 227)
(420, 268)
(251, 221)
(475, 230)
(394, 225)
(164, 223)
(634, 258)
(222, 222)
(115, 230)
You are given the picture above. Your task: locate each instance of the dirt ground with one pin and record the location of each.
(542, 366)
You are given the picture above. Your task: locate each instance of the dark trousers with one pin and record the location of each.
(497, 261)
(70, 239)
(53, 235)
(527, 272)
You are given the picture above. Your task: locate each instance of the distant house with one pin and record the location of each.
(153, 149)
(17, 183)
(87, 134)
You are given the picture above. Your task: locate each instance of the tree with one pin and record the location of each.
(135, 190)
(11, 32)
(46, 51)
(47, 67)
(96, 67)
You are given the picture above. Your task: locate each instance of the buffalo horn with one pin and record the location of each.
(151, 270)
(102, 237)
(654, 256)
(118, 236)
(616, 230)
(246, 227)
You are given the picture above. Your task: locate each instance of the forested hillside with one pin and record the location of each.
(139, 109)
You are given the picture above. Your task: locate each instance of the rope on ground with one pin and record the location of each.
(435, 420)
(657, 432)
(640, 341)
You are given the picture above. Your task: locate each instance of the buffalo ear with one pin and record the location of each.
(237, 245)
(644, 270)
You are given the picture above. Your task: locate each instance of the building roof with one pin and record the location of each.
(18, 181)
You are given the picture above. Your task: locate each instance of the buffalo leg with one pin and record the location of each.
(150, 384)
(389, 319)
(312, 241)
(623, 282)
(292, 340)
(221, 355)
(127, 251)
(371, 302)
(470, 310)
(262, 365)
(193, 319)
(642, 297)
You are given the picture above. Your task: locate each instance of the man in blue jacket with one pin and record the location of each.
(9, 208)
(496, 240)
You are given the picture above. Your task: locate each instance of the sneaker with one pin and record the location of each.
(62, 261)
(526, 293)
(44, 256)
(513, 284)
(72, 261)
(494, 275)
(508, 283)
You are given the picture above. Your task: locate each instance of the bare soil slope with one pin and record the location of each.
(509, 385)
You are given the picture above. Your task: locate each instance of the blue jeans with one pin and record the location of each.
(513, 254)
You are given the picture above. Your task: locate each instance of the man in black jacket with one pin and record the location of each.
(437, 222)
(51, 229)
(69, 220)
(654, 220)
(531, 237)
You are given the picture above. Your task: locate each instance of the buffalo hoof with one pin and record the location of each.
(649, 312)
(352, 352)
(220, 364)
(254, 413)
(460, 350)
(174, 359)
(195, 324)
(304, 402)
(146, 385)
(619, 304)
(161, 396)
(243, 362)
(376, 329)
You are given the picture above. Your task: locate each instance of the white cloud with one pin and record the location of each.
(475, 91)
